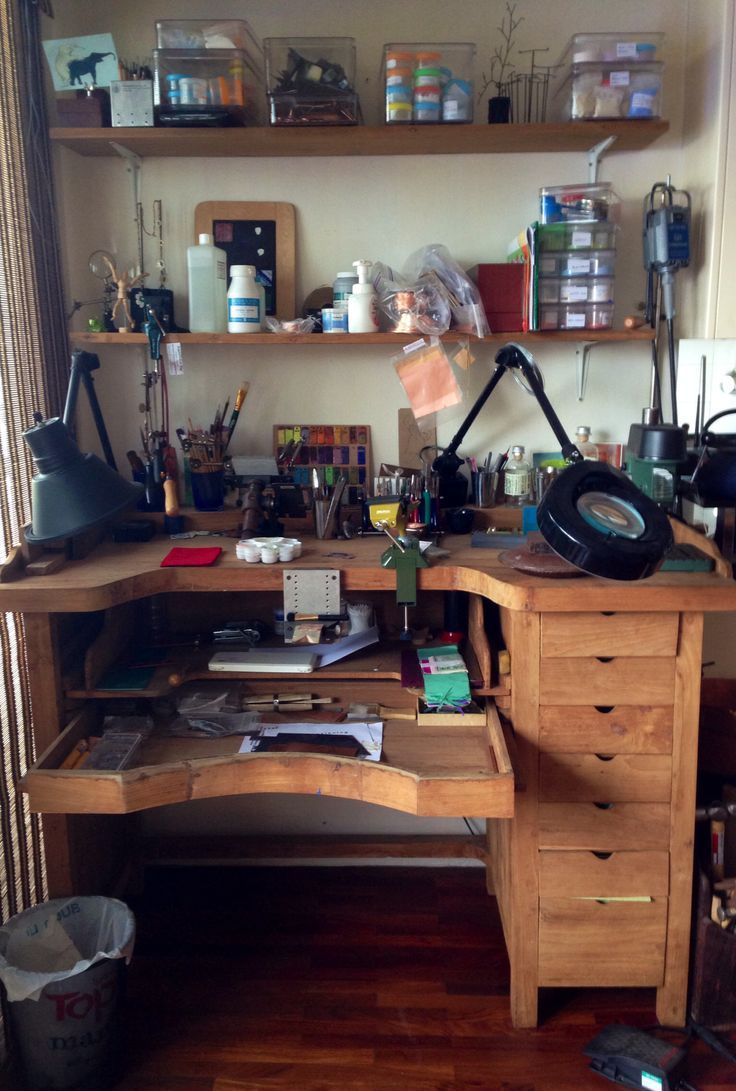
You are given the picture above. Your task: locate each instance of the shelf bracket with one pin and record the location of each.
(582, 353)
(595, 155)
(134, 164)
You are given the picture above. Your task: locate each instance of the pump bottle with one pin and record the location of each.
(207, 269)
(362, 303)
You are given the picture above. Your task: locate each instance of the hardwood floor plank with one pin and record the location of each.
(350, 979)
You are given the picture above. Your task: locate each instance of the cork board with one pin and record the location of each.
(260, 233)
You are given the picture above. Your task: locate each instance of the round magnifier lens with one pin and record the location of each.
(611, 515)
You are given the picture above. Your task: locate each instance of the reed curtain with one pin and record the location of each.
(33, 376)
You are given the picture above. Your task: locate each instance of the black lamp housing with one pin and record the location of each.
(592, 515)
(71, 491)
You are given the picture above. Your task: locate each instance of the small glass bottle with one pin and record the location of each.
(582, 441)
(517, 482)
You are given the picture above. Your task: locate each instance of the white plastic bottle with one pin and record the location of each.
(582, 441)
(517, 481)
(363, 304)
(207, 269)
(244, 301)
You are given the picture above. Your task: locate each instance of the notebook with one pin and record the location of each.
(266, 661)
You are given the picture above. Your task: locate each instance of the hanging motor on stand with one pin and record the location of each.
(656, 451)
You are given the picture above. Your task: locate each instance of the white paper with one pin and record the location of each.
(368, 735)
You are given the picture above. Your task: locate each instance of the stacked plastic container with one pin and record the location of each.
(207, 73)
(576, 241)
(613, 76)
(311, 81)
(430, 82)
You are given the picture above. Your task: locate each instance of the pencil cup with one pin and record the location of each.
(484, 489)
(321, 507)
(208, 487)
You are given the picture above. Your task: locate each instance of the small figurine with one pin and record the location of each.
(124, 282)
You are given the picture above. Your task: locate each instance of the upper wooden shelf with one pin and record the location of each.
(568, 136)
(321, 340)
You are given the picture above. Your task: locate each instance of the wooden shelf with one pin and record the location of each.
(363, 139)
(322, 340)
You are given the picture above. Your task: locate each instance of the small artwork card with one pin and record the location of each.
(88, 61)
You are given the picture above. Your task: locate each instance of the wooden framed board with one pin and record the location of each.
(260, 233)
(338, 449)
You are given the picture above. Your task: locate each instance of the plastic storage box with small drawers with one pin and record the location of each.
(428, 82)
(613, 76)
(311, 81)
(576, 265)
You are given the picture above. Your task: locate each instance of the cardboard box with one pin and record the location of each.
(501, 287)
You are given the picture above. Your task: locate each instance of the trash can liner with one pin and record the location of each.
(60, 938)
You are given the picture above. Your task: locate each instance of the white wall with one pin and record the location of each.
(385, 208)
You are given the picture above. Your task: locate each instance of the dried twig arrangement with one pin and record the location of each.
(501, 67)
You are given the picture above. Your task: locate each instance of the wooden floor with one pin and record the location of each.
(349, 979)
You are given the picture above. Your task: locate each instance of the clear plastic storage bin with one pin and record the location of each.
(641, 47)
(576, 316)
(311, 81)
(593, 235)
(574, 203)
(213, 86)
(577, 263)
(430, 81)
(612, 91)
(209, 34)
(575, 289)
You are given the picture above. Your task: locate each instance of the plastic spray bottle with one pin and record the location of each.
(207, 269)
(362, 303)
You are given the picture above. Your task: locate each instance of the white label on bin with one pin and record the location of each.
(626, 49)
(580, 239)
(619, 79)
(574, 293)
(575, 321)
(576, 266)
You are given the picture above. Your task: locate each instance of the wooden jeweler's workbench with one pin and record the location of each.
(587, 776)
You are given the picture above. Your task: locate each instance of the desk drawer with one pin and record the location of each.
(620, 778)
(591, 943)
(617, 729)
(569, 635)
(624, 680)
(603, 875)
(604, 827)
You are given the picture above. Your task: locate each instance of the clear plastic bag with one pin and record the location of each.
(291, 325)
(430, 295)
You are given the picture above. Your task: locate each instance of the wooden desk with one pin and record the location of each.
(602, 700)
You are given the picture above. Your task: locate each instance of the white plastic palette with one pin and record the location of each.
(268, 550)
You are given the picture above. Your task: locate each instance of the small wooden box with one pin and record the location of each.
(84, 111)
(473, 716)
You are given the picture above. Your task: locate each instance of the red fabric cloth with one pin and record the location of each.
(183, 556)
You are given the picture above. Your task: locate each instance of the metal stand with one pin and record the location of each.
(83, 364)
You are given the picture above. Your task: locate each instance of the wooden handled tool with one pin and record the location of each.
(283, 702)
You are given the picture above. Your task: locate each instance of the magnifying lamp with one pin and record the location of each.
(592, 515)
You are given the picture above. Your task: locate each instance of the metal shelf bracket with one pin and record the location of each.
(582, 352)
(595, 154)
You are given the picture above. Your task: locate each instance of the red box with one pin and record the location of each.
(501, 287)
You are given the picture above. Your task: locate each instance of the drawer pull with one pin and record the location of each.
(602, 855)
(604, 806)
(605, 658)
(605, 757)
(604, 709)
(608, 613)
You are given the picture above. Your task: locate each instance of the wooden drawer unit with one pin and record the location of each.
(604, 827)
(616, 729)
(587, 942)
(566, 636)
(622, 680)
(603, 874)
(645, 778)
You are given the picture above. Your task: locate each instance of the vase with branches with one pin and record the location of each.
(499, 104)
